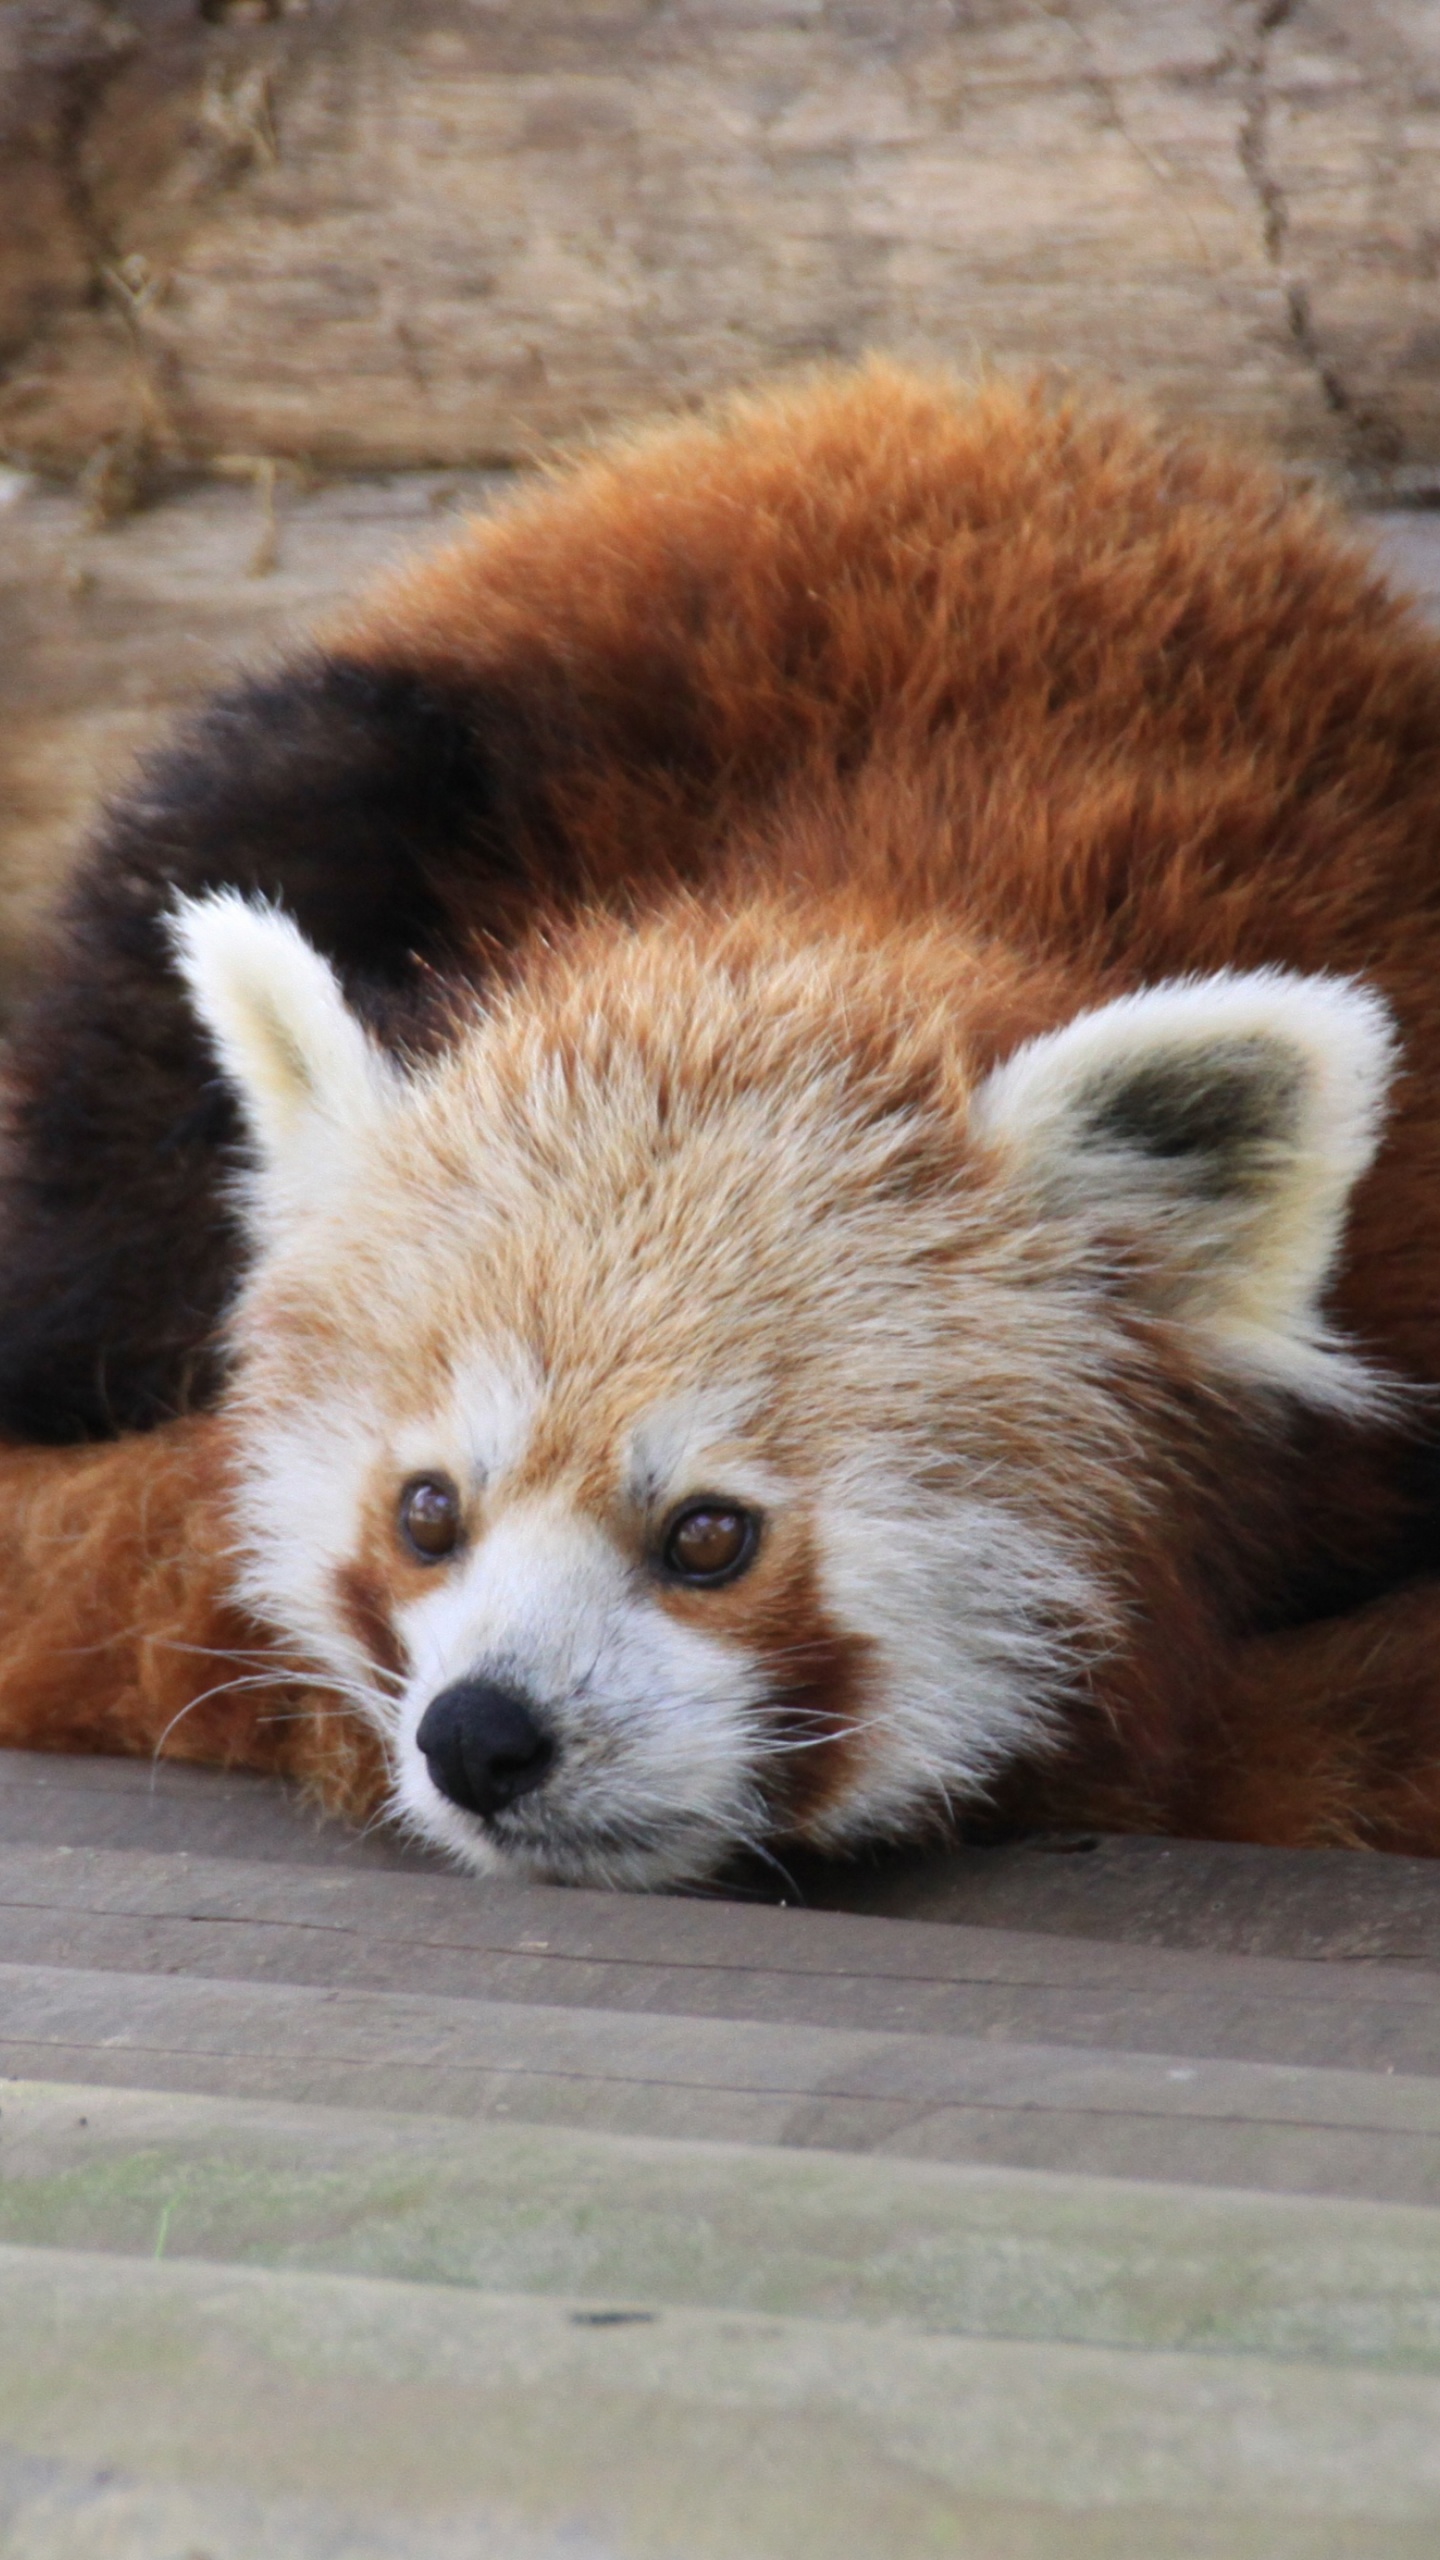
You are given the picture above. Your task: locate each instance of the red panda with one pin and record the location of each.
(788, 1107)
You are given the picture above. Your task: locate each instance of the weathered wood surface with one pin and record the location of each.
(369, 233)
(540, 2429)
(348, 2204)
(703, 2019)
(525, 2208)
(55, 1799)
(1220, 1896)
(1213, 1897)
(553, 1948)
(1288, 2129)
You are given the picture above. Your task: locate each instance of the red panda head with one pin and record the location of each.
(703, 1408)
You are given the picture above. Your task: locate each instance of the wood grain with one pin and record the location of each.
(369, 234)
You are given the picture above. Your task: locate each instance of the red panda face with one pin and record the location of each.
(698, 1412)
(641, 1634)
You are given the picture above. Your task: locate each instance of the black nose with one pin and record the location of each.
(482, 1746)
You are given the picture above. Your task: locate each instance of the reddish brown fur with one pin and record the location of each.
(1117, 709)
(1125, 705)
(361, 1596)
(816, 1681)
(118, 1635)
(1326, 1737)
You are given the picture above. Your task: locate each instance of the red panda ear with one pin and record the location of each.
(1222, 1124)
(310, 1079)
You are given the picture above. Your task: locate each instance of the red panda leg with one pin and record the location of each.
(116, 1634)
(1328, 1736)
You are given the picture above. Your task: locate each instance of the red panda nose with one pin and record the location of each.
(483, 1747)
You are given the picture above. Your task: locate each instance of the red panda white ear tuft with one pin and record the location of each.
(310, 1079)
(1220, 1124)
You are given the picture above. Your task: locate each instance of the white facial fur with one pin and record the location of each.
(665, 1742)
(1220, 1123)
(653, 1720)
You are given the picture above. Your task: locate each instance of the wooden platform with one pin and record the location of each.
(349, 2207)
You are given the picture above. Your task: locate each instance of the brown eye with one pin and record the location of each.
(430, 1517)
(709, 1542)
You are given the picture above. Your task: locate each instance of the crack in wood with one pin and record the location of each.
(1373, 438)
(1106, 93)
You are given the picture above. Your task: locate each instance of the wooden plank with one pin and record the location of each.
(1322, 1905)
(75, 2511)
(452, 1937)
(710, 2433)
(1318, 1905)
(60, 1800)
(946, 2098)
(987, 2252)
(62, 2510)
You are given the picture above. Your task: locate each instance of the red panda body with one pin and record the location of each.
(832, 772)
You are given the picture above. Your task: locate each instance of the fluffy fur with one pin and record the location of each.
(120, 1632)
(850, 958)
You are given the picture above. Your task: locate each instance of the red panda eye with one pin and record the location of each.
(709, 1542)
(430, 1516)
